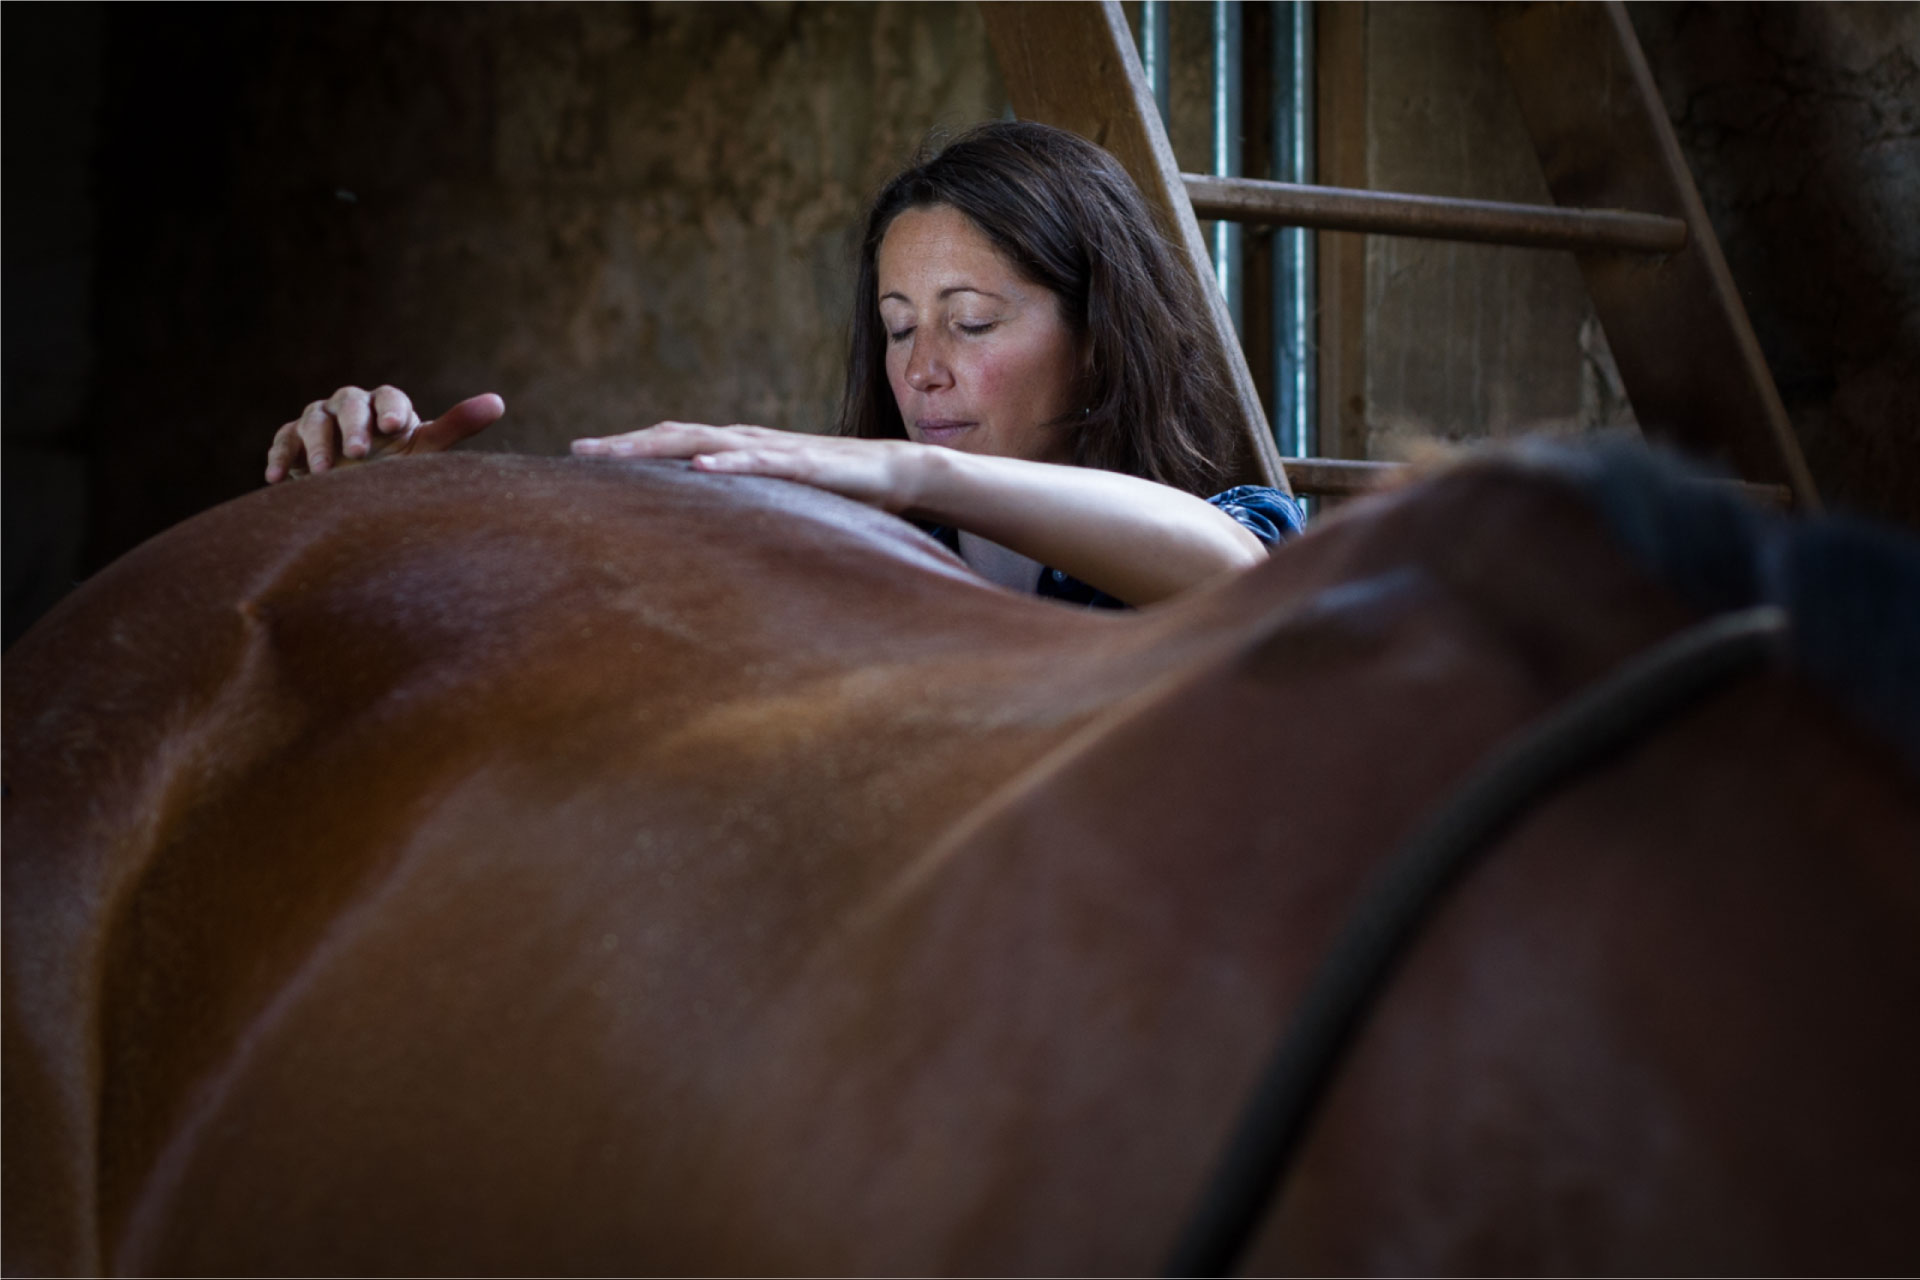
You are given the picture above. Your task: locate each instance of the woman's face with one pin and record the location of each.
(980, 359)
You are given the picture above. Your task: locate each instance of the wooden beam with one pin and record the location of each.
(1679, 334)
(1347, 477)
(1289, 204)
(1340, 158)
(1074, 66)
(1338, 477)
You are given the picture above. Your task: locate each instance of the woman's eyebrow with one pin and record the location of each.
(947, 292)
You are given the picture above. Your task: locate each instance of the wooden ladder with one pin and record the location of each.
(1626, 207)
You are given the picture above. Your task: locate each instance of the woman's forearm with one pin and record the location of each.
(1133, 539)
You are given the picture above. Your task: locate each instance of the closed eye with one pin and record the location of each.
(899, 335)
(974, 330)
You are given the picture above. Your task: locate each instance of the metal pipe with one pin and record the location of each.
(1295, 345)
(1432, 217)
(1153, 51)
(1227, 129)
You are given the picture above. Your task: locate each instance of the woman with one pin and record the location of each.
(1029, 368)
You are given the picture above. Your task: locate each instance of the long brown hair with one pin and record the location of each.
(1068, 217)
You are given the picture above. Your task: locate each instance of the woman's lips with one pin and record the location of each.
(942, 430)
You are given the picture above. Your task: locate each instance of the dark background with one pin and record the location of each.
(614, 213)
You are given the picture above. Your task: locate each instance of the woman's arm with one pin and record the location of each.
(1136, 540)
(1133, 539)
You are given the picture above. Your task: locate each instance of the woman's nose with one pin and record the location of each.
(926, 369)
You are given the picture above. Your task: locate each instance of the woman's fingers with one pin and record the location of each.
(787, 464)
(680, 440)
(317, 431)
(352, 412)
(285, 454)
(632, 444)
(354, 423)
(628, 444)
(392, 411)
(475, 413)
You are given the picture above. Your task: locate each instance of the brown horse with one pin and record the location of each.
(472, 864)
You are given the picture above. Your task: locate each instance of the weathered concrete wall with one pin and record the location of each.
(614, 213)
(1466, 341)
(610, 214)
(1801, 123)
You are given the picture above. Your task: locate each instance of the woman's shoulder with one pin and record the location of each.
(1269, 514)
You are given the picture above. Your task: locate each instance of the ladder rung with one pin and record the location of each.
(1431, 217)
(1336, 477)
(1346, 477)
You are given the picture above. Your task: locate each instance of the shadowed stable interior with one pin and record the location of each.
(616, 213)
(800, 810)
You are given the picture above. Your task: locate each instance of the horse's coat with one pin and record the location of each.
(487, 865)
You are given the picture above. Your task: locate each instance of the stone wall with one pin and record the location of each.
(615, 213)
(610, 214)
(1801, 123)
(1466, 341)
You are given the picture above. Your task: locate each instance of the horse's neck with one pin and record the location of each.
(998, 565)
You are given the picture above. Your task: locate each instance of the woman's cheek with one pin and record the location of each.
(897, 382)
(991, 383)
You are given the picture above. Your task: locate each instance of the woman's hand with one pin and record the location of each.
(880, 473)
(352, 424)
(1133, 539)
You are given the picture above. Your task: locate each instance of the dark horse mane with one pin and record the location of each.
(1850, 586)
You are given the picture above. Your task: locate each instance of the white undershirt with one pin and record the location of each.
(998, 565)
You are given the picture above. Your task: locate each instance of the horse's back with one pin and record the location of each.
(480, 695)
(515, 866)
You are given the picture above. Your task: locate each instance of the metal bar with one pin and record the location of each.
(1295, 350)
(1105, 99)
(1346, 478)
(1154, 51)
(1432, 217)
(1225, 237)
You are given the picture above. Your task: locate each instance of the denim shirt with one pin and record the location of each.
(1268, 514)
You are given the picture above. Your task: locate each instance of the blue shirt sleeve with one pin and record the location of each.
(1268, 514)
